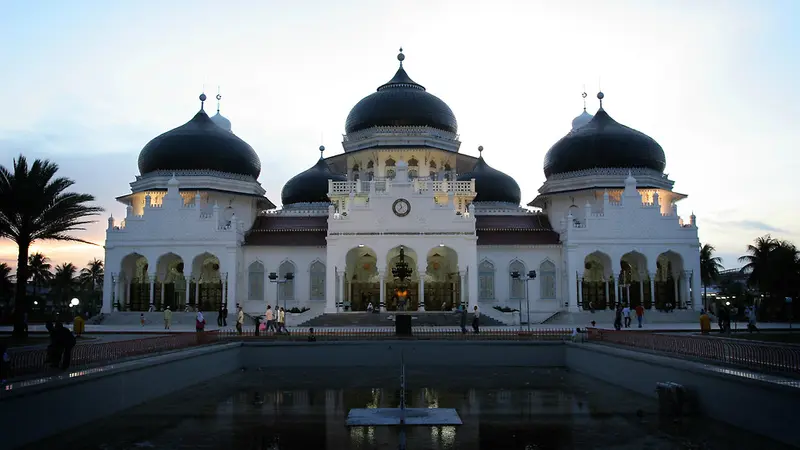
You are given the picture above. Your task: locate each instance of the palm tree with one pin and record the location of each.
(64, 282)
(6, 281)
(91, 277)
(39, 271)
(35, 206)
(710, 267)
(758, 262)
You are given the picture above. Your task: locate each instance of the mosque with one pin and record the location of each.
(401, 220)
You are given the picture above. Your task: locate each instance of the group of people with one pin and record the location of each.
(724, 314)
(476, 318)
(274, 320)
(622, 318)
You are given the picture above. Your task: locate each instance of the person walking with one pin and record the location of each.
(705, 322)
(476, 319)
(626, 315)
(639, 314)
(462, 313)
(167, 318)
(200, 321)
(618, 318)
(282, 321)
(239, 320)
(225, 315)
(78, 325)
(219, 316)
(65, 341)
(270, 319)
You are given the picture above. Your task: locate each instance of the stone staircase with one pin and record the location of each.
(606, 317)
(421, 318)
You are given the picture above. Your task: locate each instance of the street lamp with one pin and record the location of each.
(273, 278)
(531, 275)
(74, 302)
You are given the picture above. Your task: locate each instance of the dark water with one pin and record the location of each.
(509, 408)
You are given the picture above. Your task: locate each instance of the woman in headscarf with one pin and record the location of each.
(200, 321)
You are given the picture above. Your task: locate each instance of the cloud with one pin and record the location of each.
(747, 225)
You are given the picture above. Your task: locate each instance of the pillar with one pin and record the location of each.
(382, 300)
(341, 288)
(330, 288)
(686, 291)
(579, 278)
(163, 291)
(652, 290)
(462, 288)
(196, 291)
(421, 295)
(628, 293)
(225, 287)
(641, 288)
(152, 279)
(606, 283)
(678, 303)
(695, 292)
(617, 290)
(472, 286)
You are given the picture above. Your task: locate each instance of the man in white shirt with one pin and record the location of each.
(626, 314)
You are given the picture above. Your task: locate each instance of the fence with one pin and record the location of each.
(418, 333)
(754, 355)
(34, 361)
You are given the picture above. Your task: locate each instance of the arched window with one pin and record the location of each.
(286, 288)
(390, 174)
(413, 162)
(255, 281)
(447, 167)
(317, 281)
(370, 165)
(516, 289)
(390, 162)
(433, 165)
(356, 168)
(412, 174)
(547, 280)
(486, 281)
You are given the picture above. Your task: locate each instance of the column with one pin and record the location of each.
(152, 279)
(678, 303)
(652, 290)
(341, 289)
(579, 278)
(109, 306)
(163, 292)
(686, 291)
(695, 293)
(641, 288)
(225, 286)
(382, 300)
(421, 272)
(606, 283)
(617, 290)
(128, 300)
(628, 293)
(330, 288)
(472, 286)
(462, 288)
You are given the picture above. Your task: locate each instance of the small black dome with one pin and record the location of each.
(310, 186)
(492, 185)
(199, 144)
(603, 142)
(399, 103)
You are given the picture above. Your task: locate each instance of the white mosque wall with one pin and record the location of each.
(259, 261)
(244, 207)
(545, 292)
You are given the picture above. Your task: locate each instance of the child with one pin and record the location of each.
(141, 318)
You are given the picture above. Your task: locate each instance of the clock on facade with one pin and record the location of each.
(401, 207)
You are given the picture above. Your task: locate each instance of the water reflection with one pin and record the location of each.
(305, 409)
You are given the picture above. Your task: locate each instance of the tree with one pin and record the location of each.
(757, 262)
(64, 282)
(39, 271)
(91, 279)
(6, 281)
(35, 206)
(710, 267)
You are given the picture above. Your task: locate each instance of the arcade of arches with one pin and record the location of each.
(434, 283)
(604, 284)
(139, 288)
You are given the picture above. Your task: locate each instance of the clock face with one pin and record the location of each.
(401, 207)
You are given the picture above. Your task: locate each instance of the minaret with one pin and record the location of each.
(218, 119)
(584, 117)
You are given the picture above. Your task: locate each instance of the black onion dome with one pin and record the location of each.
(310, 186)
(603, 142)
(401, 103)
(492, 185)
(199, 144)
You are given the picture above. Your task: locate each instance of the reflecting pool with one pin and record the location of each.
(305, 409)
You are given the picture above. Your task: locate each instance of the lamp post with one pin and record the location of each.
(531, 275)
(273, 278)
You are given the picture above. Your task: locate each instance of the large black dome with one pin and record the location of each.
(310, 186)
(199, 144)
(401, 102)
(603, 142)
(492, 185)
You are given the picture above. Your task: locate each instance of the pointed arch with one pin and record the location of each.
(413, 162)
(547, 280)
(486, 272)
(516, 288)
(370, 164)
(286, 287)
(390, 162)
(317, 280)
(255, 280)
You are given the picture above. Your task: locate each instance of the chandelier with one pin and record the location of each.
(401, 271)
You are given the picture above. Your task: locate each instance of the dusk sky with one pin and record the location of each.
(714, 82)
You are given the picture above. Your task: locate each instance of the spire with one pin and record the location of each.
(219, 97)
(584, 95)
(202, 100)
(600, 97)
(321, 151)
(480, 151)
(401, 57)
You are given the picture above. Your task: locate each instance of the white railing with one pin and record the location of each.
(382, 186)
(456, 187)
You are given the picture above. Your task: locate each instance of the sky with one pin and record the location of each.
(88, 83)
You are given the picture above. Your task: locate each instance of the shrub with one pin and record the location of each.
(505, 309)
(297, 310)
